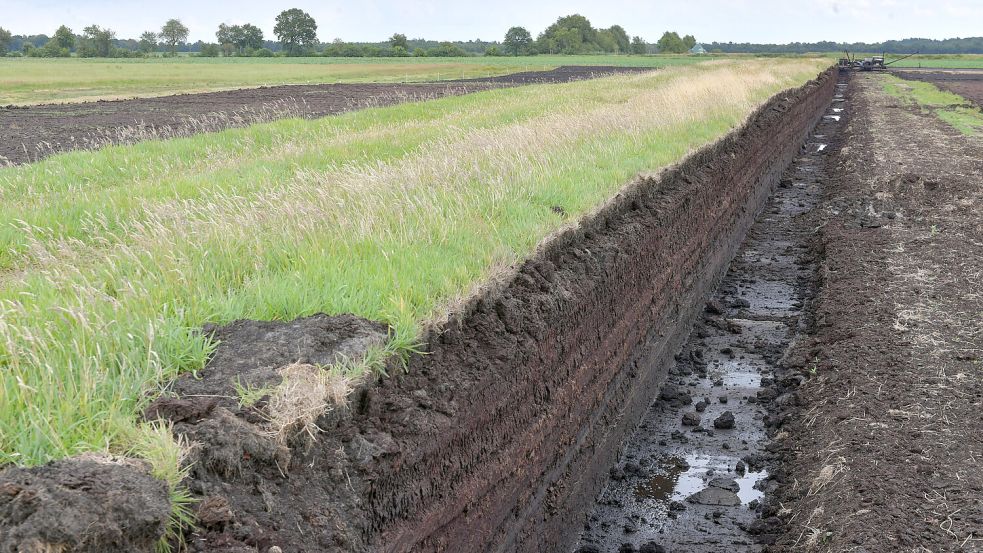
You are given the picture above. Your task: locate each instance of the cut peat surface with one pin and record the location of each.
(695, 474)
(967, 83)
(31, 133)
(885, 453)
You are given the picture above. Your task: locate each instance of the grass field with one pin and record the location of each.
(951, 108)
(961, 61)
(36, 81)
(112, 259)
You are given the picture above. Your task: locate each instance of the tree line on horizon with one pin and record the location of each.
(968, 45)
(296, 33)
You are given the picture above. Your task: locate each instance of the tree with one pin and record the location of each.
(571, 34)
(249, 37)
(64, 38)
(296, 29)
(209, 51)
(670, 43)
(52, 50)
(689, 41)
(607, 42)
(173, 33)
(224, 34)
(447, 50)
(638, 45)
(96, 42)
(398, 40)
(5, 38)
(517, 41)
(620, 37)
(242, 37)
(148, 42)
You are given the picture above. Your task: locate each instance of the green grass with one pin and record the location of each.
(955, 61)
(37, 80)
(114, 258)
(951, 108)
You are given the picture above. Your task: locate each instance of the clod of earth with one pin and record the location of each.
(88, 504)
(724, 421)
(715, 496)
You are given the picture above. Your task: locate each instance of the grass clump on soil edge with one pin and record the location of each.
(114, 259)
(955, 110)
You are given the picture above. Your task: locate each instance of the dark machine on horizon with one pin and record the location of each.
(874, 63)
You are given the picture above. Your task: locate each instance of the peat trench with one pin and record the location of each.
(501, 436)
(695, 474)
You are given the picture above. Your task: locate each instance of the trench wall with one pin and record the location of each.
(531, 391)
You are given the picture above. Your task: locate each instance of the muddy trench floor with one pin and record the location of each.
(695, 473)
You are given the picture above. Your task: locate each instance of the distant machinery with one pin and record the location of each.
(873, 63)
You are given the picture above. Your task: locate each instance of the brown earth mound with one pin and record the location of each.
(83, 504)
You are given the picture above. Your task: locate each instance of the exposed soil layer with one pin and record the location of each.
(885, 453)
(31, 133)
(967, 83)
(498, 437)
(82, 504)
(694, 474)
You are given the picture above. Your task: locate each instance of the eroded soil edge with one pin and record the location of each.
(500, 436)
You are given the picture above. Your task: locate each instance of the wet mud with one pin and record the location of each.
(31, 133)
(695, 473)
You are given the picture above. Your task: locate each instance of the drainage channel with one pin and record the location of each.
(694, 474)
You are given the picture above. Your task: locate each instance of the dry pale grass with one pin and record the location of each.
(305, 393)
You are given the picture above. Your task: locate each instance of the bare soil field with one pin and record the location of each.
(30, 133)
(967, 83)
(884, 452)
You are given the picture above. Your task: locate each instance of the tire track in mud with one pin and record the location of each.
(696, 473)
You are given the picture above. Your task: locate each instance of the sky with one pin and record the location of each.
(763, 21)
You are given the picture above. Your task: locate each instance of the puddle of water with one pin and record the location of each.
(677, 483)
(837, 110)
(769, 297)
(735, 379)
(832, 117)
